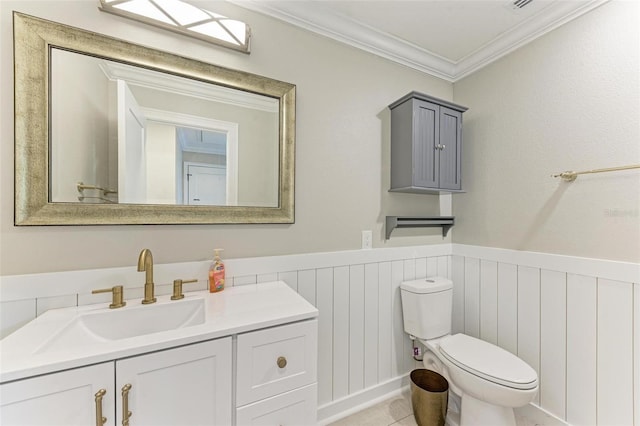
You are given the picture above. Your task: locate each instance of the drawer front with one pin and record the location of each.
(297, 408)
(276, 360)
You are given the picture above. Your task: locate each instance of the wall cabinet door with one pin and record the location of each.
(450, 149)
(426, 144)
(59, 399)
(425, 138)
(190, 385)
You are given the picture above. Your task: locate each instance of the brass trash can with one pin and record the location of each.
(429, 397)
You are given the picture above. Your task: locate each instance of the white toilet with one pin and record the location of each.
(489, 380)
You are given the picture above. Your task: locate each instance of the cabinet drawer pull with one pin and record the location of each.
(282, 362)
(126, 414)
(99, 419)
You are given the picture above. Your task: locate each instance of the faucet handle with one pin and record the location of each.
(117, 292)
(177, 288)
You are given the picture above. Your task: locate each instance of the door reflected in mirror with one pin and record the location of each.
(123, 134)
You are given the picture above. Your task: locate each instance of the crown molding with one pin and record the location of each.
(314, 17)
(536, 26)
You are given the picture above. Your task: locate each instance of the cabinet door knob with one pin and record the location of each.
(282, 362)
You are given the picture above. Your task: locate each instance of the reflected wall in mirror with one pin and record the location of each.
(127, 134)
(145, 137)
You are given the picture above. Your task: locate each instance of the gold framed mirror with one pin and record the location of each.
(59, 181)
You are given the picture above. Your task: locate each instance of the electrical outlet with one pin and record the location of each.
(367, 240)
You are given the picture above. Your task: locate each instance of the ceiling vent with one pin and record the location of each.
(517, 5)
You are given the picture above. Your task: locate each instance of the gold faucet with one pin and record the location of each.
(145, 263)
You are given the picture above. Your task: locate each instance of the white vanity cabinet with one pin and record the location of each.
(190, 385)
(251, 361)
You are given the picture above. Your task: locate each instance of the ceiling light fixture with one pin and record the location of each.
(184, 18)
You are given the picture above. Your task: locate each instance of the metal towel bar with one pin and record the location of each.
(570, 176)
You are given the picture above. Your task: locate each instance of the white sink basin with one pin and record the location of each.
(131, 321)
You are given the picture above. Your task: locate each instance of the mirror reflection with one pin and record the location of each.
(213, 127)
(122, 134)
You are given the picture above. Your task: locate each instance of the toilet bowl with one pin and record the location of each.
(489, 380)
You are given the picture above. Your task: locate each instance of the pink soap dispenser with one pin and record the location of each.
(216, 273)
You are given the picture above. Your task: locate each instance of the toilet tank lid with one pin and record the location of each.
(427, 285)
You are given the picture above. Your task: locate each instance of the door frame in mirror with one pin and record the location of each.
(33, 40)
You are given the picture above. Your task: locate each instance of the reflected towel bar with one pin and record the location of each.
(82, 187)
(570, 176)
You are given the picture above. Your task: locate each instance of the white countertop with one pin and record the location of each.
(232, 311)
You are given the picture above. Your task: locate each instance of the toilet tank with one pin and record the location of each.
(426, 307)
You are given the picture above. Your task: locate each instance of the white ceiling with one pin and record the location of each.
(446, 38)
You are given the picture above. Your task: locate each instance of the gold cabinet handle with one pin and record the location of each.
(126, 414)
(117, 296)
(282, 362)
(99, 419)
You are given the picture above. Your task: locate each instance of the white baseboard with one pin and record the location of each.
(532, 415)
(336, 410)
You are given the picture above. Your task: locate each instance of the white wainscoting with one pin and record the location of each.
(575, 320)
(364, 353)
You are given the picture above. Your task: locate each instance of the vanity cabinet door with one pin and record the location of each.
(189, 385)
(66, 398)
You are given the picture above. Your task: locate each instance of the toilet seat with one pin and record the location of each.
(488, 362)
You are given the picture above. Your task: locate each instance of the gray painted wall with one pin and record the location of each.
(568, 101)
(342, 152)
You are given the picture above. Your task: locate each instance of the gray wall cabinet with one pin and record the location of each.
(426, 144)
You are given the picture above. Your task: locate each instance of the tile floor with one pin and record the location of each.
(397, 411)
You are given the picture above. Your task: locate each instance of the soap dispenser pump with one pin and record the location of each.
(216, 273)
